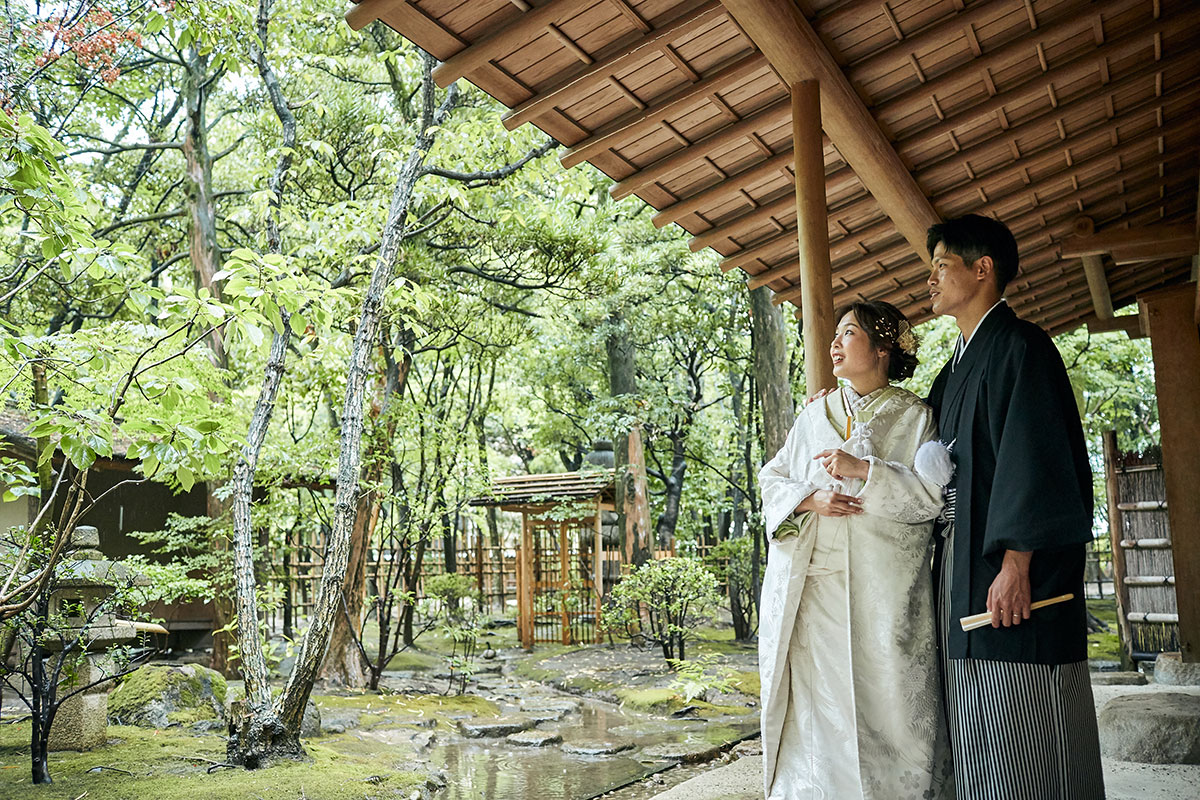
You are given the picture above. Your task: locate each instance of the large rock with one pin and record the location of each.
(1151, 728)
(1170, 670)
(161, 695)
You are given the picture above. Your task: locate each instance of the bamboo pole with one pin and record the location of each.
(812, 229)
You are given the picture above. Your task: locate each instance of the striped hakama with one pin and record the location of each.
(1018, 731)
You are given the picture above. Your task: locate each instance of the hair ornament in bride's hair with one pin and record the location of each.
(907, 340)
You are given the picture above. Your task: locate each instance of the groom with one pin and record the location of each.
(1019, 510)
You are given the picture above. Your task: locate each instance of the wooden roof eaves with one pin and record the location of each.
(640, 121)
(1006, 140)
(962, 75)
(607, 61)
(521, 28)
(770, 116)
(797, 53)
(1126, 43)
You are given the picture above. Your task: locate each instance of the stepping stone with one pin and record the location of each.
(1170, 670)
(1118, 679)
(493, 728)
(536, 704)
(597, 747)
(1151, 728)
(685, 752)
(534, 738)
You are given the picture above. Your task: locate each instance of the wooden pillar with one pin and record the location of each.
(525, 584)
(812, 228)
(1118, 553)
(564, 577)
(598, 569)
(1175, 343)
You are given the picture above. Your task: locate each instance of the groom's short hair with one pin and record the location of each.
(971, 237)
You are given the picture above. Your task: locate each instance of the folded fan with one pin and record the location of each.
(979, 620)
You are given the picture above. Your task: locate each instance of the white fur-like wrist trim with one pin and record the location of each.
(933, 463)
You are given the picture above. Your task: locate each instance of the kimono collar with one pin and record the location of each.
(986, 323)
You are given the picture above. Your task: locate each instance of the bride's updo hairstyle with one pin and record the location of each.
(889, 330)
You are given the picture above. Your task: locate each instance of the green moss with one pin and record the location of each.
(172, 765)
(415, 661)
(666, 701)
(748, 683)
(1104, 646)
(151, 682)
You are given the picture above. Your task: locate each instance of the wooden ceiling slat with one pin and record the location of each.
(506, 38)
(747, 222)
(769, 117)
(1130, 42)
(746, 179)
(786, 270)
(787, 39)
(885, 60)
(1015, 53)
(640, 121)
(609, 60)
(936, 173)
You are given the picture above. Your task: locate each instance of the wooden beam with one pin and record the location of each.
(1130, 324)
(1093, 269)
(783, 34)
(1168, 238)
(766, 248)
(1176, 348)
(608, 60)
(763, 119)
(639, 122)
(812, 228)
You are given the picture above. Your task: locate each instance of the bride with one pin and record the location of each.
(850, 694)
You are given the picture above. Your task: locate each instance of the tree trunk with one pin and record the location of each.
(622, 380)
(669, 519)
(771, 370)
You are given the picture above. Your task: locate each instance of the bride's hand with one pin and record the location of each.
(841, 465)
(829, 503)
(818, 396)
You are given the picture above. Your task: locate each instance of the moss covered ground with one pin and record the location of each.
(1104, 646)
(173, 764)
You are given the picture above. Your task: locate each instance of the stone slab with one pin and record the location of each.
(597, 747)
(1159, 728)
(534, 739)
(1118, 679)
(494, 728)
(684, 752)
(1170, 670)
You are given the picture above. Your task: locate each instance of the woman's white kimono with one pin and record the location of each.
(850, 687)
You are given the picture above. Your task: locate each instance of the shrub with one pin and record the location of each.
(662, 602)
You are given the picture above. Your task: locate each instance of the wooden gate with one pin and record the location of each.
(1143, 567)
(558, 577)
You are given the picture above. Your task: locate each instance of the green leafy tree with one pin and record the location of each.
(662, 603)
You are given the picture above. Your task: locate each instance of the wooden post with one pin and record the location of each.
(812, 228)
(1175, 343)
(1118, 553)
(525, 583)
(564, 577)
(598, 568)
(636, 502)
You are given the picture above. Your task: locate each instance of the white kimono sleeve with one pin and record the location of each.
(898, 491)
(781, 492)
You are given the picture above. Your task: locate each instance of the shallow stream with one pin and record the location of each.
(494, 769)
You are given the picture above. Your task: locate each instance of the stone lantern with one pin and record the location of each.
(85, 578)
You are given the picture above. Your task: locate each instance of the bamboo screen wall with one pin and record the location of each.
(1144, 571)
